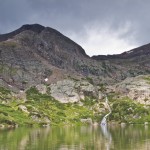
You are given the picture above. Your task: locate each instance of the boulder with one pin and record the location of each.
(72, 91)
(88, 121)
(23, 108)
(2, 126)
(41, 88)
(136, 88)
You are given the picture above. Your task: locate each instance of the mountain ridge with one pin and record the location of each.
(125, 55)
(33, 53)
(37, 28)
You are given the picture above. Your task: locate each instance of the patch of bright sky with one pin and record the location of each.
(103, 40)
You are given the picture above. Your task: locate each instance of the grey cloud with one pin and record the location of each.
(74, 15)
(12, 14)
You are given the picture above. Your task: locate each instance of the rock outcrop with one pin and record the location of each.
(136, 88)
(73, 91)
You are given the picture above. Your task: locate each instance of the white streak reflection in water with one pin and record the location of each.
(107, 136)
(103, 124)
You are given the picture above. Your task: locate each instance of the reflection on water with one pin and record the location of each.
(107, 136)
(105, 131)
(76, 138)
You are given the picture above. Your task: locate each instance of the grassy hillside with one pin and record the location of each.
(42, 110)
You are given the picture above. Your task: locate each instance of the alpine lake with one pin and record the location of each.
(126, 137)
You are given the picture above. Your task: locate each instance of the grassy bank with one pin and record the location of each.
(42, 110)
(128, 111)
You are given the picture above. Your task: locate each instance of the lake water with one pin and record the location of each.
(76, 138)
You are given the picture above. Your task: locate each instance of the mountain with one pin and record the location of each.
(137, 52)
(132, 63)
(36, 54)
(46, 78)
(33, 53)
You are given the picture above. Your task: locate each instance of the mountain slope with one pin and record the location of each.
(132, 63)
(40, 69)
(137, 52)
(31, 53)
(35, 54)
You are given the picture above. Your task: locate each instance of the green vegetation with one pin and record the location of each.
(11, 116)
(147, 79)
(90, 80)
(101, 87)
(126, 110)
(57, 112)
(7, 69)
(88, 101)
(42, 109)
(5, 94)
(11, 44)
(4, 91)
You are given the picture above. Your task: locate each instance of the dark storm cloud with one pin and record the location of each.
(76, 15)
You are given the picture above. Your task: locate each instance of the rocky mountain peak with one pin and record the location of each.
(33, 27)
(34, 53)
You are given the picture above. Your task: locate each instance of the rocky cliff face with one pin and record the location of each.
(73, 91)
(131, 63)
(33, 53)
(136, 88)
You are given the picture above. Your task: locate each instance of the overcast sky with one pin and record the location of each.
(99, 26)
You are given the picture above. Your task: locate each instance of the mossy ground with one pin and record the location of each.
(41, 106)
(127, 110)
(147, 79)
